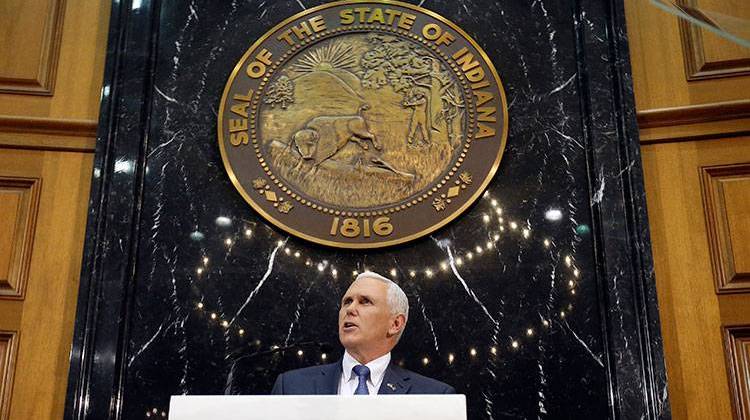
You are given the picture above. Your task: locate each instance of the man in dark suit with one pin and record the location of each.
(372, 317)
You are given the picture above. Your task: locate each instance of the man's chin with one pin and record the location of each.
(347, 340)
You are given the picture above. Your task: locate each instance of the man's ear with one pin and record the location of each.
(397, 325)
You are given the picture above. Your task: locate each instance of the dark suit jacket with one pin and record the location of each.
(324, 379)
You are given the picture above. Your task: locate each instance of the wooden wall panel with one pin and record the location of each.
(737, 201)
(8, 347)
(10, 209)
(28, 56)
(659, 77)
(707, 55)
(68, 116)
(19, 199)
(44, 318)
(695, 134)
(691, 312)
(726, 199)
(720, 49)
(47, 139)
(737, 342)
(671, 104)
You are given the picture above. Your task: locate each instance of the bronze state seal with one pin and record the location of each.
(362, 124)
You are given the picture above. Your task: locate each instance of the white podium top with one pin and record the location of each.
(318, 407)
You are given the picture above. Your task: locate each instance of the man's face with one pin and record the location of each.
(365, 318)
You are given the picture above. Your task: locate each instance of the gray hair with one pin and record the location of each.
(397, 300)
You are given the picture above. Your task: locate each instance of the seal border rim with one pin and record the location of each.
(360, 245)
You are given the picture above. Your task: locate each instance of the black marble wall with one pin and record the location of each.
(537, 303)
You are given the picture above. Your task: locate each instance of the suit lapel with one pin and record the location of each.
(395, 381)
(327, 383)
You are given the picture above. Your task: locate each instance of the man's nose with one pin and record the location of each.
(351, 309)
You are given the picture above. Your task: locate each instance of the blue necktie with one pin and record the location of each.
(363, 373)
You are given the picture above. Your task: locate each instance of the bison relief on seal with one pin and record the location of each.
(324, 136)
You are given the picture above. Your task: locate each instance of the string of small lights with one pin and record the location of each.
(156, 413)
(463, 258)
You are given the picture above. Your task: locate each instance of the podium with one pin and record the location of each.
(317, 407)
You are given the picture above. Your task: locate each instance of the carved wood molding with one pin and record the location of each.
(737, 352)
(22, 225)
(727, 277)
(711, 131)
(44, 83)
(694, 114)
(48, 143)
(58, 126)
(696, 65)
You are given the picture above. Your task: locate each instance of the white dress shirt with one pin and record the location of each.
(349, 380)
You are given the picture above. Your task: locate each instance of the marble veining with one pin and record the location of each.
(506, 302)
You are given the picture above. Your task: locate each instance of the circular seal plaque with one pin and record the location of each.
(362, 124)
